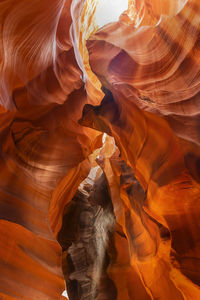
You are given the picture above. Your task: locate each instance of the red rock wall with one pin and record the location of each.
(53, 64)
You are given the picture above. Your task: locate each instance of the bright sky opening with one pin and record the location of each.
(65, 294)
(109, 11)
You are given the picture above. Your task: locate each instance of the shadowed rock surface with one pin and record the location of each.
(88, 223)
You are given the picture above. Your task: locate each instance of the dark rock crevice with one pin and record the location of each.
(87, 223)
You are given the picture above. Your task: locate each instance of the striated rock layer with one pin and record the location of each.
(99, 151)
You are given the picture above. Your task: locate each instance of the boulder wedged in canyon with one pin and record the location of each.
(99, 151)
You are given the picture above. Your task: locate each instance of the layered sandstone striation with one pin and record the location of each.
(99, 151)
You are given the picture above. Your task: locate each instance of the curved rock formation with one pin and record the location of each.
(99, 152)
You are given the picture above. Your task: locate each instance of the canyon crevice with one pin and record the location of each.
(99, 151)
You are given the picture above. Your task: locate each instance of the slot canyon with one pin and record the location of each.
(99, 150)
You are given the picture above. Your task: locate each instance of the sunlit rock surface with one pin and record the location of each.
(99, 151)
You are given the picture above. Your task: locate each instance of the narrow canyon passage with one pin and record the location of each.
(99, 150)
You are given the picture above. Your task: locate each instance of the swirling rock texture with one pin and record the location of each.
(99, 152)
